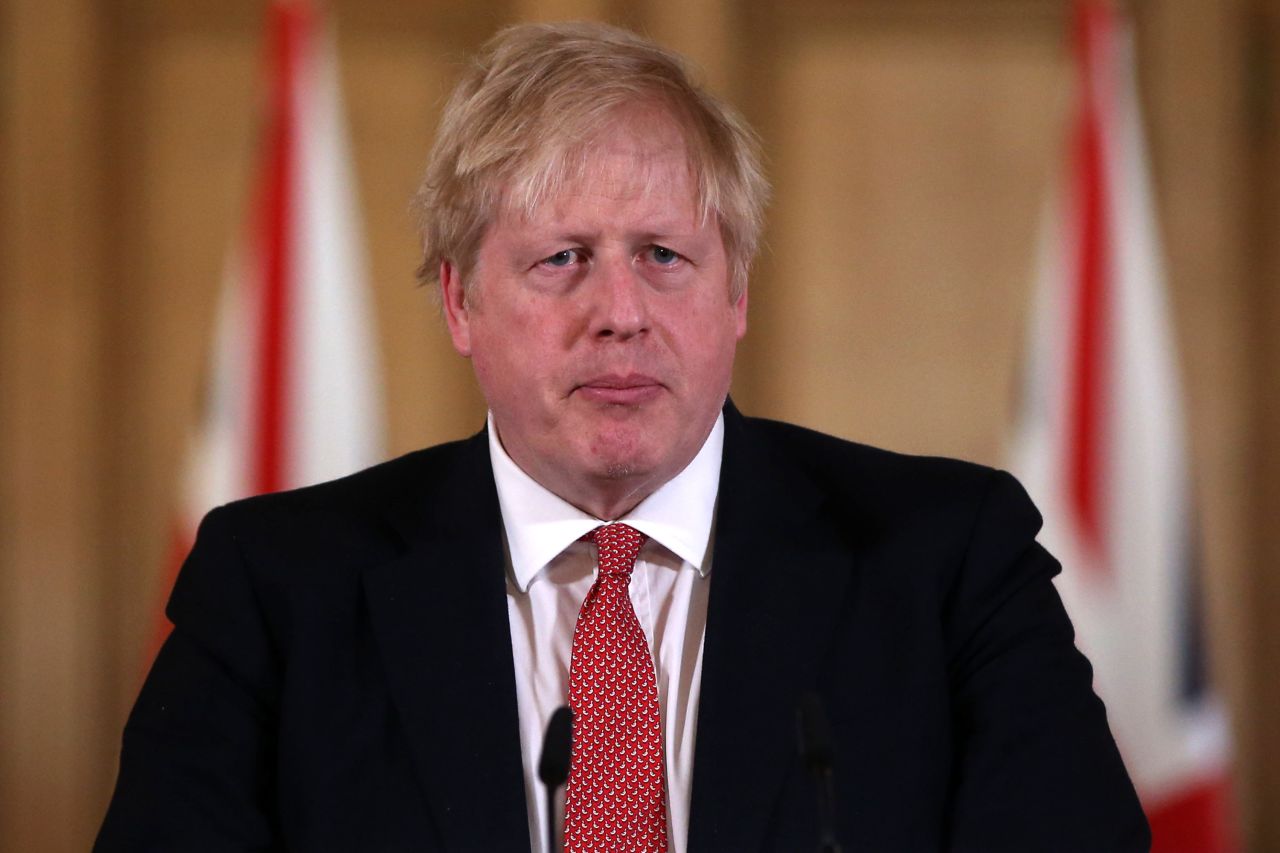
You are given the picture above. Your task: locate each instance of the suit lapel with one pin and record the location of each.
(779, 578)
(440, 617)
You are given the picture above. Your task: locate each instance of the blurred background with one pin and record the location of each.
(913, 145)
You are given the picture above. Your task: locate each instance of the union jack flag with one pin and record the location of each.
(293, 394)
(1100, 445)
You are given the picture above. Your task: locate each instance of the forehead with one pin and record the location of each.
(638, 157)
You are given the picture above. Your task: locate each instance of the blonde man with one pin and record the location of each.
(369, 664)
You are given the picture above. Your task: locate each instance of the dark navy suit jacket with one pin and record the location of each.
(340, 673)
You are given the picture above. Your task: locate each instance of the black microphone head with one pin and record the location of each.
(553, 768)
(815, 734)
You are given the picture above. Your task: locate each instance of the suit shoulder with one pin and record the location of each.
(893, 489)
(863, 467)
(359, 498)
(375, 485)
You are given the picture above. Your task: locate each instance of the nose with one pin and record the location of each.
(620, 300)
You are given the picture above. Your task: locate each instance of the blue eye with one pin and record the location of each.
(664, 256)
(563, 258)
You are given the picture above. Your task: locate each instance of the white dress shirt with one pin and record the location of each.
(549, 573)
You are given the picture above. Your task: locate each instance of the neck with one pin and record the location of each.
(610, 501)
(606, 495)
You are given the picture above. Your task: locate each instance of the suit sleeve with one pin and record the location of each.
(195, 766)
(1036, 767)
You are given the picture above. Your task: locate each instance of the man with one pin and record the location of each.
(369, 664)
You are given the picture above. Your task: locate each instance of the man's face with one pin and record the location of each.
(601, 329)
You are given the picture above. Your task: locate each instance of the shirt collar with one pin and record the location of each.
(540, 524)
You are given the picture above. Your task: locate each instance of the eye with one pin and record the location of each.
(562, 258)
(663, 255)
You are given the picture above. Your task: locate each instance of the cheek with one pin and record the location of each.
(531, 323)
(712, 334)
(512, 359)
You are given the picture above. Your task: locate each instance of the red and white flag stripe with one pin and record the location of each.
(1100, 445)
(293, 394)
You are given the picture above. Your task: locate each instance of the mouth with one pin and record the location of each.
(615, 389)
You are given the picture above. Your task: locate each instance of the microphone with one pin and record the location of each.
(553, 767)
(817, 752)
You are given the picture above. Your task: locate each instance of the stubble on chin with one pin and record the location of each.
(616, 452)
(619, 470)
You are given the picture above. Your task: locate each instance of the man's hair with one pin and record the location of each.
(520, 123)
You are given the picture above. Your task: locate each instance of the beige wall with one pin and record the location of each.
(910, 141)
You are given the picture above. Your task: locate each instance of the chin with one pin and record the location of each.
(621, 470)
(617, 460)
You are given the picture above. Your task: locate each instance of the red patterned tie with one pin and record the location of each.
(615, 797)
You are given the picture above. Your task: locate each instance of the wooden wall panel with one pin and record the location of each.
(1262, 233)
(561, 10)
(910, 165)
(51, 739)
(395, 86)
(706, 32)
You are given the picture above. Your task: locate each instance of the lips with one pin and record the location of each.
(631, 389)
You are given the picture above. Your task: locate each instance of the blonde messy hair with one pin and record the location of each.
(518, 126)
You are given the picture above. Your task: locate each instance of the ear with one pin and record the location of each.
(457, 314)
(740, 313)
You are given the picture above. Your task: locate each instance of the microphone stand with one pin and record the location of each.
(553, 768)
(818, 753)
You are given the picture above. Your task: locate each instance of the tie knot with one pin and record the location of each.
(618, 546)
